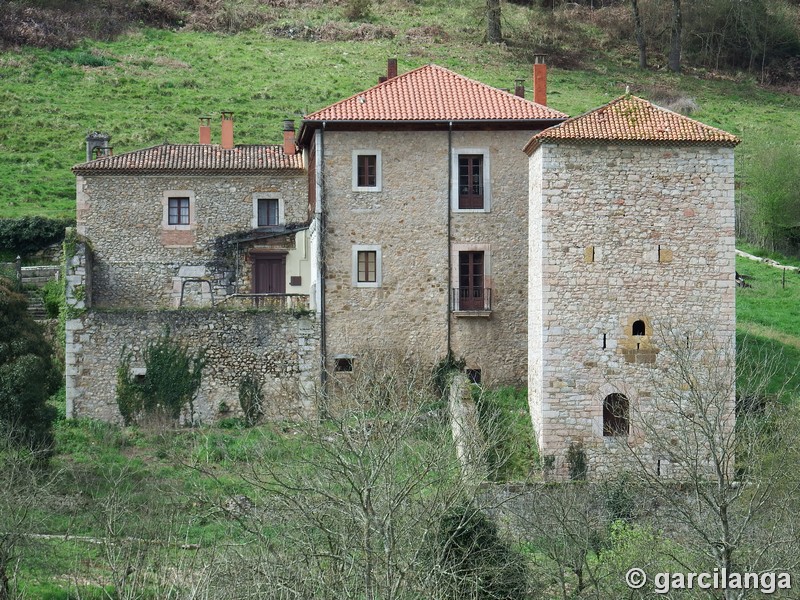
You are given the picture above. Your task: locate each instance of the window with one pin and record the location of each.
(343, 364)
(470, 181)
(367, 170)
(178, 211)
(268, 212)
(474, 375)
(470, 189)
(367, 262)
(638, 328)
(472, 281)
(366, 266)
(616, 415)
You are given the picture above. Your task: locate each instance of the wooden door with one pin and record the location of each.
(269, 274)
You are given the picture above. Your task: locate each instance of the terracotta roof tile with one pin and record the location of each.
(634, 120)
(433, 93)
(195, 158)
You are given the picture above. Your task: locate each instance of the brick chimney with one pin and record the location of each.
(205, 130)
(96, 140)
(391, 69)
(519, 88)
(288, 137)
(539, 79)
(227, 130)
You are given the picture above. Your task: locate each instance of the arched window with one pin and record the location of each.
(616, 415)
(639, 328)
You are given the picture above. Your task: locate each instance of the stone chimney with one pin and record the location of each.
(205, 130)
(97, 140)
(391, 69)
(519, 88)
(227, 130)
(539, 79)
(288, 137)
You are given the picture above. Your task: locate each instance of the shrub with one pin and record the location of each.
(357, 10)
(475, 561)
(53, 297)
(576, 459)
(28, 374)
(251, 398)
(444, 369)
(25, 235)
(172, 379)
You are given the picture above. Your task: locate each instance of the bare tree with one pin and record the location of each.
(360, 513)
(724, 492)
(493, 31)
(675, 39)
(641, 37)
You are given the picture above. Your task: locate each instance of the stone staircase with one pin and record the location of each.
(33, 280)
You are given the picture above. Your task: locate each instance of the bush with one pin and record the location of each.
(251, 398)
(53, 297)
(172, 379)
(444, 370)
(28, 374)
(26, 235)
(475, 561)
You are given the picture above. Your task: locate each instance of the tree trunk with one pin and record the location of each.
(641, 40)
(493, 33)
(675, 37)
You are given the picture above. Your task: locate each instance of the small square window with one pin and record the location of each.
(268, 212)
(343, 365)
(367, 266)
(178, 211)
(474, 375)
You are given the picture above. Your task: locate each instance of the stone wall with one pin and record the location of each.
(621, 234)
(281, 348)
(139, 261)
(408, 220)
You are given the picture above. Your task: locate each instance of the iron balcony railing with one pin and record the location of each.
(472, 298)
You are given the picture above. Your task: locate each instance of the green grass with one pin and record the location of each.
(151, 86)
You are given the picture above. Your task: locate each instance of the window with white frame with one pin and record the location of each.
(471, 190)
(367, 170)
(178, 209)
(267, 211)
(367, 269)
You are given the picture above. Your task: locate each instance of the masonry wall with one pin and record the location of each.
(282, 349)
(139, 262)
(408, 220)
(619, 234)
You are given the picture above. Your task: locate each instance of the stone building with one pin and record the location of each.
(408, 218)
(631, 259)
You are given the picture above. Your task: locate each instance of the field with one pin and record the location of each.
(152, 85)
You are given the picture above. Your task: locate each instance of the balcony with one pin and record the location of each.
(472, 302)
(268, 302)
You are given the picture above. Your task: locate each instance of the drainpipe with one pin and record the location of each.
(323, 347)
(449, 227)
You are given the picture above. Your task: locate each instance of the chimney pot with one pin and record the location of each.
(391, 68)
(539, 79)
(205, 130)
(519, 88)
(227, 130)
(289, 146)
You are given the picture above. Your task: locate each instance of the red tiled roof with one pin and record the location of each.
(634, 120)
(195, 158)
(433, 93)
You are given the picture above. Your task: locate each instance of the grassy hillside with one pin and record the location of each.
(151, 85)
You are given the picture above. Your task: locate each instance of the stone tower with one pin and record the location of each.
(631, 248)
